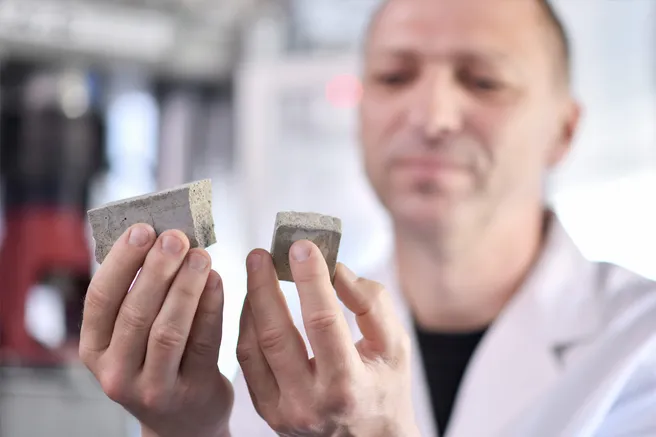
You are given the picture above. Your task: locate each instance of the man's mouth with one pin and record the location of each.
(430, 164)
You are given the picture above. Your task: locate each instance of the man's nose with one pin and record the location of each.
(437, 109)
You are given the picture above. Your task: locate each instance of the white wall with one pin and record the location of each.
(614, 44)
(605, 192)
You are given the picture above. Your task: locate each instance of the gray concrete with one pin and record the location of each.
(187, 208)
(322, 230)
(64, 402)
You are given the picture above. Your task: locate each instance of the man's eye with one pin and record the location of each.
(393, 79)
(485, 84)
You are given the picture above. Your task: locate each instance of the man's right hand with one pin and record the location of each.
(155, 349)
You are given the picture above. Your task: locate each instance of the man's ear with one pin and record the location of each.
(569, 127)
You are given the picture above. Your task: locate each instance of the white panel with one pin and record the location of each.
(332, 23)
(297, 152)
(177, 130)
(614, 46)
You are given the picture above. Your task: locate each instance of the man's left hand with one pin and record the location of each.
(360, 389)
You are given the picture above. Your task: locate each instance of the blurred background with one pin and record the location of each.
(106, 99)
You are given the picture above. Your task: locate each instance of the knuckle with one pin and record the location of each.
(258, 287)
(378, 288)
(340, 400)
(168, 337)
(272, 340)
(305, 423)
(154, 399)
(245, 353)
(161, 266)
(278, 425)
(88, 355)
(188, 292)
(114, 385)
(202, 346)
(375, 291)
(96, 297)
(322, 321)
(295, 421)
(399, 356)
(310, 273)
(392, 361)
(210, 311)
(372, 295)
(133, 318)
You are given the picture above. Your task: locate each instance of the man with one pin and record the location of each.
(494, 324)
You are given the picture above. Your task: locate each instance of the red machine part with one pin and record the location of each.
(37, 240)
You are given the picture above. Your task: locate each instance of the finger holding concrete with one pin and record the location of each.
(109, 287)
(325, 324)
(170, 331)
(142, 305)
(277, 336)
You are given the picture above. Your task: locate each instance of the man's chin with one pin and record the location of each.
(421, 214)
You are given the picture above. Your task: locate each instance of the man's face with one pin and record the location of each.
(463, 109)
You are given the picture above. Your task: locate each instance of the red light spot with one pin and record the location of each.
(344, 91)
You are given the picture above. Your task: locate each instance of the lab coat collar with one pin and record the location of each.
(553, 311)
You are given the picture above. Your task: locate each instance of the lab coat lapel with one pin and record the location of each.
(520, 357)
(585, 395)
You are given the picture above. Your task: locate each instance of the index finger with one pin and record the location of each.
(279, 340)
(110, 285)
(327, 330)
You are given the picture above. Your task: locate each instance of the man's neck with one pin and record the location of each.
(464, 287)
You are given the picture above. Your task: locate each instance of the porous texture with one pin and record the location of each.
(322, 230)
(187, 208)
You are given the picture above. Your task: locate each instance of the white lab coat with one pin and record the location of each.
(572, 355)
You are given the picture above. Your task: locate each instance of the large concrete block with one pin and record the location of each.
(187, 208)
(322, 230)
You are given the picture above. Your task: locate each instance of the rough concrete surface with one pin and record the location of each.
(322, 230)
(187, 208)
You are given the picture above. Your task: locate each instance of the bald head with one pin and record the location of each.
(558, 35)
(555, 33)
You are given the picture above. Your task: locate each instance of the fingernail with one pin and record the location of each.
(300, 250)
(197, 262)
(348, 274)
(139, 236)
(171, 244)
(254, 262)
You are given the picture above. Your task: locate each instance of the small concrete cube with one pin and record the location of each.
(322, 230)
(187, 208)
